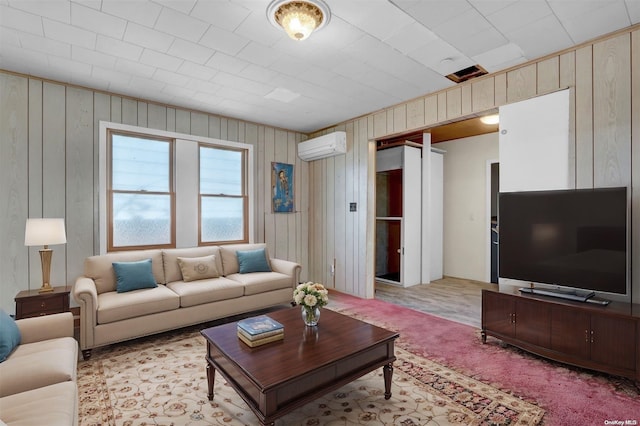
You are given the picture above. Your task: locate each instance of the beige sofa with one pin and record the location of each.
(38, 380)
(107, 316)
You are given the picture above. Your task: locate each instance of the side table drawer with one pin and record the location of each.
(37, 307)
(31, 303)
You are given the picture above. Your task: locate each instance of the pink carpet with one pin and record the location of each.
(570, 396)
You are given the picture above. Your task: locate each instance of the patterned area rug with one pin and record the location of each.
(161, 380)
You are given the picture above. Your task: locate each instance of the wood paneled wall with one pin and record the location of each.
(604, 138)
(49, 168)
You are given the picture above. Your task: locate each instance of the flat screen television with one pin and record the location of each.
(568, 238)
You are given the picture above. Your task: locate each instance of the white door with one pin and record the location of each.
(411, 260)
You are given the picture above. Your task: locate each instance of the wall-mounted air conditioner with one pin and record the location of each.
(323, 146)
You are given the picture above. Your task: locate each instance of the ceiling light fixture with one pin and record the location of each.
(299, 18)
(490, 119)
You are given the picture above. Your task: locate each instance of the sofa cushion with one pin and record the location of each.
(9, 335)
(134, 275)
(252, 261)
(198, 268)
(207, 290)
(48, 362)
(172, 270)
(230, 263)
(260, 282)
(53, 405)
(100, 267)
(113, 306)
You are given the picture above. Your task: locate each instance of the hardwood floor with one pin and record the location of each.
(455, 299)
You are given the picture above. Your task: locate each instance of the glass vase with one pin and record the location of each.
(310, 315)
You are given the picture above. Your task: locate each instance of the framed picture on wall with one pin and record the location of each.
(283, 200)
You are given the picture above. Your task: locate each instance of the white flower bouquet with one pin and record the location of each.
(311, 295)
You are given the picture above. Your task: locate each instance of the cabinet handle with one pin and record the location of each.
(592, 336)
(43, 305)
(586, 336)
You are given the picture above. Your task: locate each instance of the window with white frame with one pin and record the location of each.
(164, 189)
(223, 197)
(141, 194)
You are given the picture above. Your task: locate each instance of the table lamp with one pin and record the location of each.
(45, 232)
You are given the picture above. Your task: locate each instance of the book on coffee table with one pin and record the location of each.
(259, 325)
(261, 335)
(261, 341)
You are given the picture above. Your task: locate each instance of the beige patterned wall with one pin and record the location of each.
(605, 135)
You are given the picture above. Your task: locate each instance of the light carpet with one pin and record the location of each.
(161, 380)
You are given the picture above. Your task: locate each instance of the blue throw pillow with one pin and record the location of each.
(253, 261)
(134, 275)
(9, 335)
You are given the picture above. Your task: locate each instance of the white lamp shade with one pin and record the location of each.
(44, 232)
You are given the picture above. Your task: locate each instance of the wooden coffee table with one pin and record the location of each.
(278, 377)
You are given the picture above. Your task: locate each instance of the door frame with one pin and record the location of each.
(488, 218)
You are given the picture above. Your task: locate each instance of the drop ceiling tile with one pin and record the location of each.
(379, 19)
(258, 54)
(290, 66)
(256, 27)
(57, 10)
(169, 77)
(134, 68)
(223, 41)
(146, 37)
(434, 52)
(95, 21)
(243, 84)
(91, 57)
(227, 63)
(433, 12)
(45, 45)
(487, 7)
(196, 71)
(118, 48)
(541, 37)
(209, 87)
(69, 34)
(411, 38)
(160, 60)
(258, 73)
(61, 66)
(110, 75)
(470, 33)
(596, 22)
(518, 15)
(493, 59)
(19, 20)
(190, 51)
(9, 37)
(23, 61)
(180, 25)
(224, 15)
(479, 42)
(184, 6)
(633, 8)
(143, 13)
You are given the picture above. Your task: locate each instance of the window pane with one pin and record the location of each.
(141, 219)
(140, 164)
(220, 171)
(222, 219)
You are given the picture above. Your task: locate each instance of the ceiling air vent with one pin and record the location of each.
(467, 74)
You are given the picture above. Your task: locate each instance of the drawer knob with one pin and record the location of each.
(43, 305)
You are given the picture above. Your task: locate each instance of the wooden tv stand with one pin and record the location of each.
(602, 338)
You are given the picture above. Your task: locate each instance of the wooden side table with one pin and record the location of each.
(30, 303)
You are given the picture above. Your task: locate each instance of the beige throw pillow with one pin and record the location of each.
(198, 268)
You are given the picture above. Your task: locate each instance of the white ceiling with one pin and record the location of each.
(224, 57)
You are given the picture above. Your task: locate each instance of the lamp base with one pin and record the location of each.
(46, 288)
(45, 259)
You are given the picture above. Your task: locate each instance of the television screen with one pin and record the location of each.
(572, 238)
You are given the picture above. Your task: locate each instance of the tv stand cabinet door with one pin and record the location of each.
(613, 342)
(570, 332)
(498, 314)
(533, 322)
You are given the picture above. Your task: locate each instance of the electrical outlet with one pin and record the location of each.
(353, 207)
